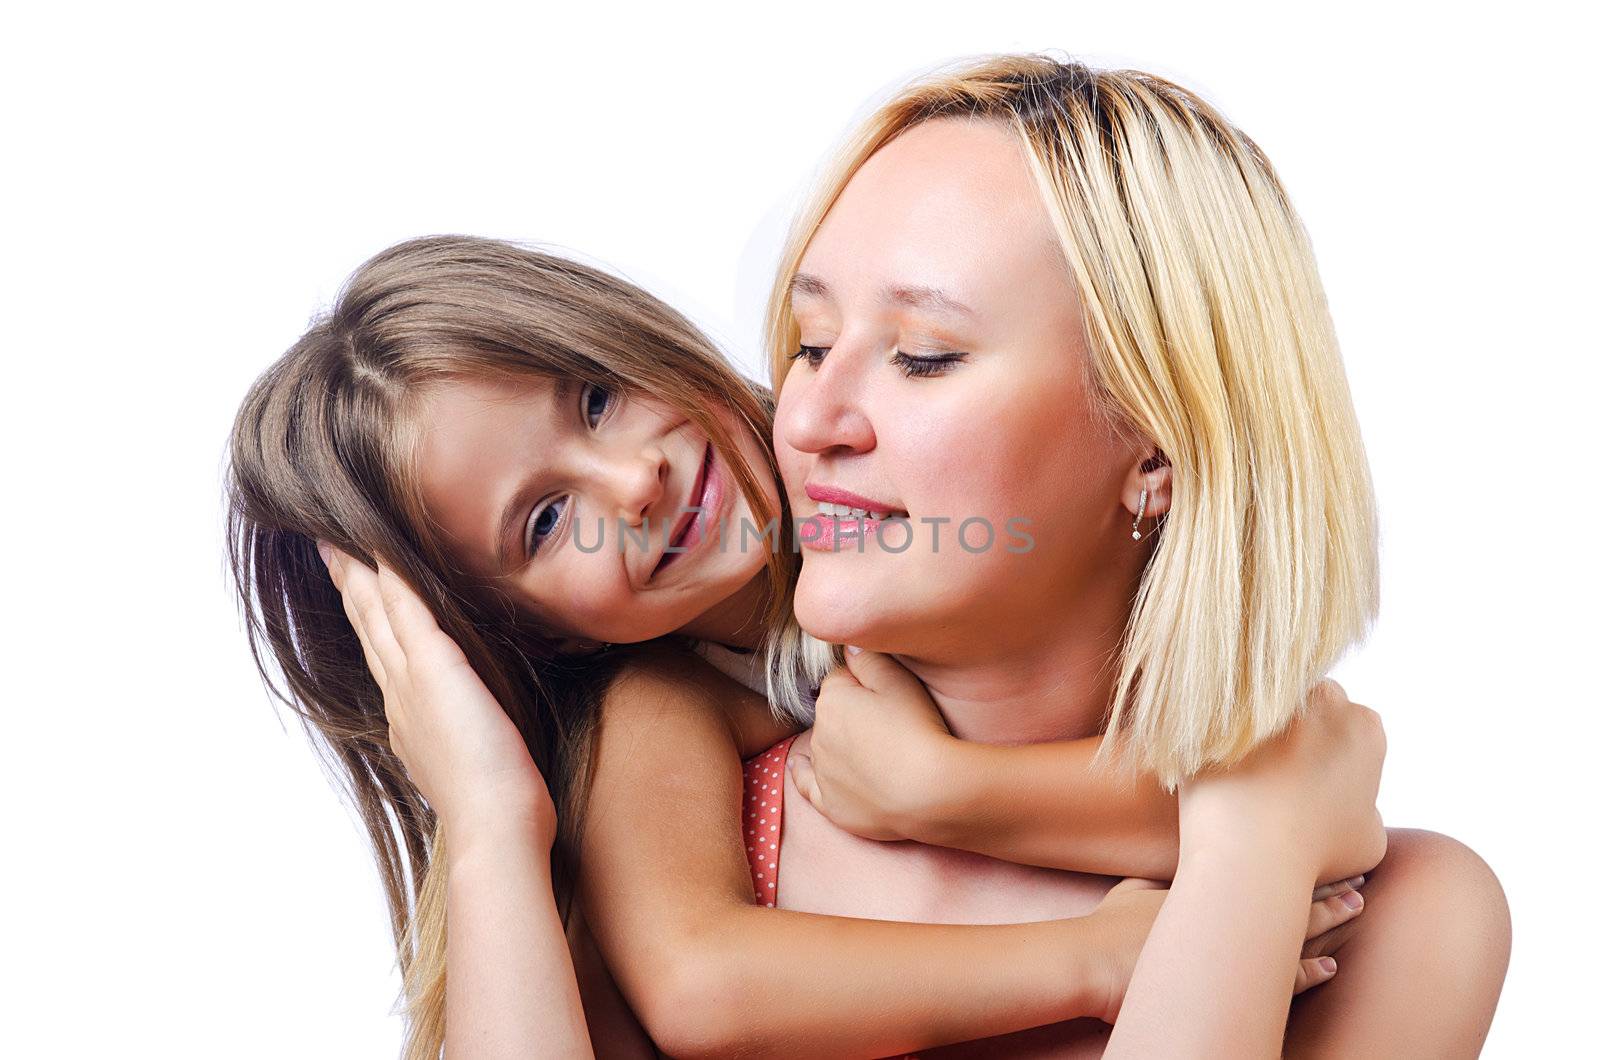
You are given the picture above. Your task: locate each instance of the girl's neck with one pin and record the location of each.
(738, 621)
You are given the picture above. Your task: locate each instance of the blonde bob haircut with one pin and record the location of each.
(1209, 335)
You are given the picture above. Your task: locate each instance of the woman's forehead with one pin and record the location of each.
(950, 206)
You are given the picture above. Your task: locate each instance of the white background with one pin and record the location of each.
(186, 187)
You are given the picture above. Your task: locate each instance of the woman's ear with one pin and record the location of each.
(1152, 476)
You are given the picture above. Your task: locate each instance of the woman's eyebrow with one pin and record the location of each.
(930, 299)
(805, 283)
(561, 397)
(912, 296)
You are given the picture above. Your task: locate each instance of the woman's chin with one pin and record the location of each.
(837, 621)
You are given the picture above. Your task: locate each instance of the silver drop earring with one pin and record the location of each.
(1144, 495)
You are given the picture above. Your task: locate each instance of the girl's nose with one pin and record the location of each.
(635, 482)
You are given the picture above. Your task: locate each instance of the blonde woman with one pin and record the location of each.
(1029, 289)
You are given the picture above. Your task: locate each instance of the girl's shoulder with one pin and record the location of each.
(671, 676)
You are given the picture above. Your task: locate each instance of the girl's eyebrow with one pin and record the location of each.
(913, 296)
(562, 394)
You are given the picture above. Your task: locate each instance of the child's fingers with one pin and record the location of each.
(335, 562)
(1314, 971)
(409, 618)
(1136, 883)
(875, 670)
(358, 586)
(837, 678)
(1328, 943)
(1328, 890)
(1331, 912)
(805, 778)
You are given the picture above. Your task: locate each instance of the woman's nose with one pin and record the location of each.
(822, 409)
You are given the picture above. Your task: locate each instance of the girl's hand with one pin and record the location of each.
(879, 748)
(1121, 923)
(459, 747)
(1311, 792)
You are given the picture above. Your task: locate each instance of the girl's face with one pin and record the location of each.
(943, 375)
(568, 497)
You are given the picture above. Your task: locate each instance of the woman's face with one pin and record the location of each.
(943, 376)
(568, 496)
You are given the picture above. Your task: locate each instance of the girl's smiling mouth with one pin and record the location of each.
(702, 505)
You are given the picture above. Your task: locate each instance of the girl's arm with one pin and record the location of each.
(666, 891)
(883, 765)
(666, 880)
(511, 989)
(1299, 808)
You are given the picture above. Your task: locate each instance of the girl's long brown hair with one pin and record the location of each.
(323, 447)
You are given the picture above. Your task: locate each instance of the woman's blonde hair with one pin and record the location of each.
(1209, 335)
(324, 447)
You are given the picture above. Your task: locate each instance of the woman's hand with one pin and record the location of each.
(1122, 922)
(879, 749)
(1312, 790)
(457, 744)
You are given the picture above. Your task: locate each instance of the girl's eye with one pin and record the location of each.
(595, 401)
(812, 355)
(924, 366)
(544, 522)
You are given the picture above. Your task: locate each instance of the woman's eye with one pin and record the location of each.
(544, 522)
(812, 355)
(937, 364)
(595, 401)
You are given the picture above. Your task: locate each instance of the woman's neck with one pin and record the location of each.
(1054, 684)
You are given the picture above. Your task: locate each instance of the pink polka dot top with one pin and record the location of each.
(763, 818)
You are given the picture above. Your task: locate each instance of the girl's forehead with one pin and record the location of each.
(478, 442)
(447, 401)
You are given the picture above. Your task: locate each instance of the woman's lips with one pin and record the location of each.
(834, 495)
(842, 515)
(822, 533)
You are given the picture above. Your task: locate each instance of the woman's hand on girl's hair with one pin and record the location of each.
(879, 751)
(1312, 790)
(457, 744)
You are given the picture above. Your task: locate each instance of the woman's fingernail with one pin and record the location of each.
(852, 649)
(1327, 964)
(1358, 881)
(1352, 899)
